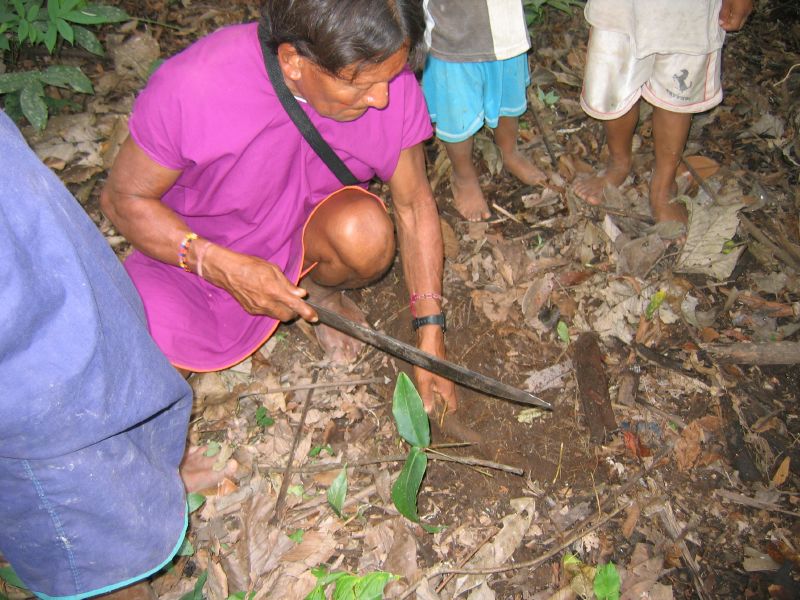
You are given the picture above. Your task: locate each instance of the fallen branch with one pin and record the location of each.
(467, 460)
(287, 471)
(313, 386)
(756, 353)
(754, 503)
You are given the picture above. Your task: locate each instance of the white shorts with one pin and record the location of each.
(615, 79)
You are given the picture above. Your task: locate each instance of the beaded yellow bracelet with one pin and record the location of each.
(184, 250)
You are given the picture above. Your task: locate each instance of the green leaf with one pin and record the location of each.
(338, 491)
(64, 76)
(263, 418)
(53, 7)
(317, 450)
(195, 501)
(655, 303)
(14, 82)
(370, 586)
(33, 12)
(563, 332)
(8, 575)
(186, 549)
(96, 14)
(406, 488)
(51, 37)
(87, 40)
(324, 578)
(297, 536)
(213, 449)
(295, 490)
(23, 30)
(318, 593)
(197, 592)
(410, 415)
(65, 29)
(607, 582)
(31, 99)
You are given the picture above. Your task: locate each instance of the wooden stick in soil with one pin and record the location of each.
(287, 473)
(593, 387)
(535, 115)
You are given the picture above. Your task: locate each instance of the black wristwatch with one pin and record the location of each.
(430, 320)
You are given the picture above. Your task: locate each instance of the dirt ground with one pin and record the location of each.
(693, 492)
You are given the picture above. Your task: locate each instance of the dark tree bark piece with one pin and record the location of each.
(738, 453)
(755, 353)
(593, 387)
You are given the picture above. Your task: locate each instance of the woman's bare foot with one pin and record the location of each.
(590, 189)
(468, 198)
(523, 169)
(197, 470)
(339, 347)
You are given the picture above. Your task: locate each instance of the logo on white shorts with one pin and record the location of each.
(680, 79)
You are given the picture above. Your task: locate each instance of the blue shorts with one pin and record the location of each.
(462, 97)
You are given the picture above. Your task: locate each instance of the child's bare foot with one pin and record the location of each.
(523, 169)
(339, 347)
(662, 207)
(197, 470)
(590, 189)
(468, 198)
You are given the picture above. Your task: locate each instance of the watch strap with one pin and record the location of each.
(437, 319)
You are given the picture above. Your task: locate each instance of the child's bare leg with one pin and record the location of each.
(521, 167)
(670, 131)
(619, 136)
(467, 195)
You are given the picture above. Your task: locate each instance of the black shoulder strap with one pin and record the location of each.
(299, 117)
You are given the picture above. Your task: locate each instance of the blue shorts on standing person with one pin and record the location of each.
(462, 96)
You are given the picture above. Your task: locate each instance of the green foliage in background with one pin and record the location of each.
(49, 24)
(534, 9)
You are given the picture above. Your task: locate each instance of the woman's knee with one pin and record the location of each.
(355, 226)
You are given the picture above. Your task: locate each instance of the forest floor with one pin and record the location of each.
(685, 476)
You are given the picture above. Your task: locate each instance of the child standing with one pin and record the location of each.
(670, 54)
(477, 72)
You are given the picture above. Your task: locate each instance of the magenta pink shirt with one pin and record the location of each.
(249, 182)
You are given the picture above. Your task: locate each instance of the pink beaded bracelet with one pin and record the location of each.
(424, 296)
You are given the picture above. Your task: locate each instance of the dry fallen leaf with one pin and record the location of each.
(782, 473)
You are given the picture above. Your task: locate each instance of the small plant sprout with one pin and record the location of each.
(413, 426)
(655, 303)
(562, 329)
(338, 492)
(348, 586)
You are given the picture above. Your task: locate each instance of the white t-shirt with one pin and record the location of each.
(661, 26)
(475, 30)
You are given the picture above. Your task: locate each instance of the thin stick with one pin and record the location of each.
(287, 474)
(550, 152)
(432, 455)
(466, 559)
(313, 386)
(785, 77)
(503, 211)
(531, 564)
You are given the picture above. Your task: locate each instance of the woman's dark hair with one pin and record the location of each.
(335, 34)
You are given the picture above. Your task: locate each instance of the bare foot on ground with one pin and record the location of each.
(197, 470)
(662, 206)
(468, 198)
(339, 347)
(590, 189)
(523, 169)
